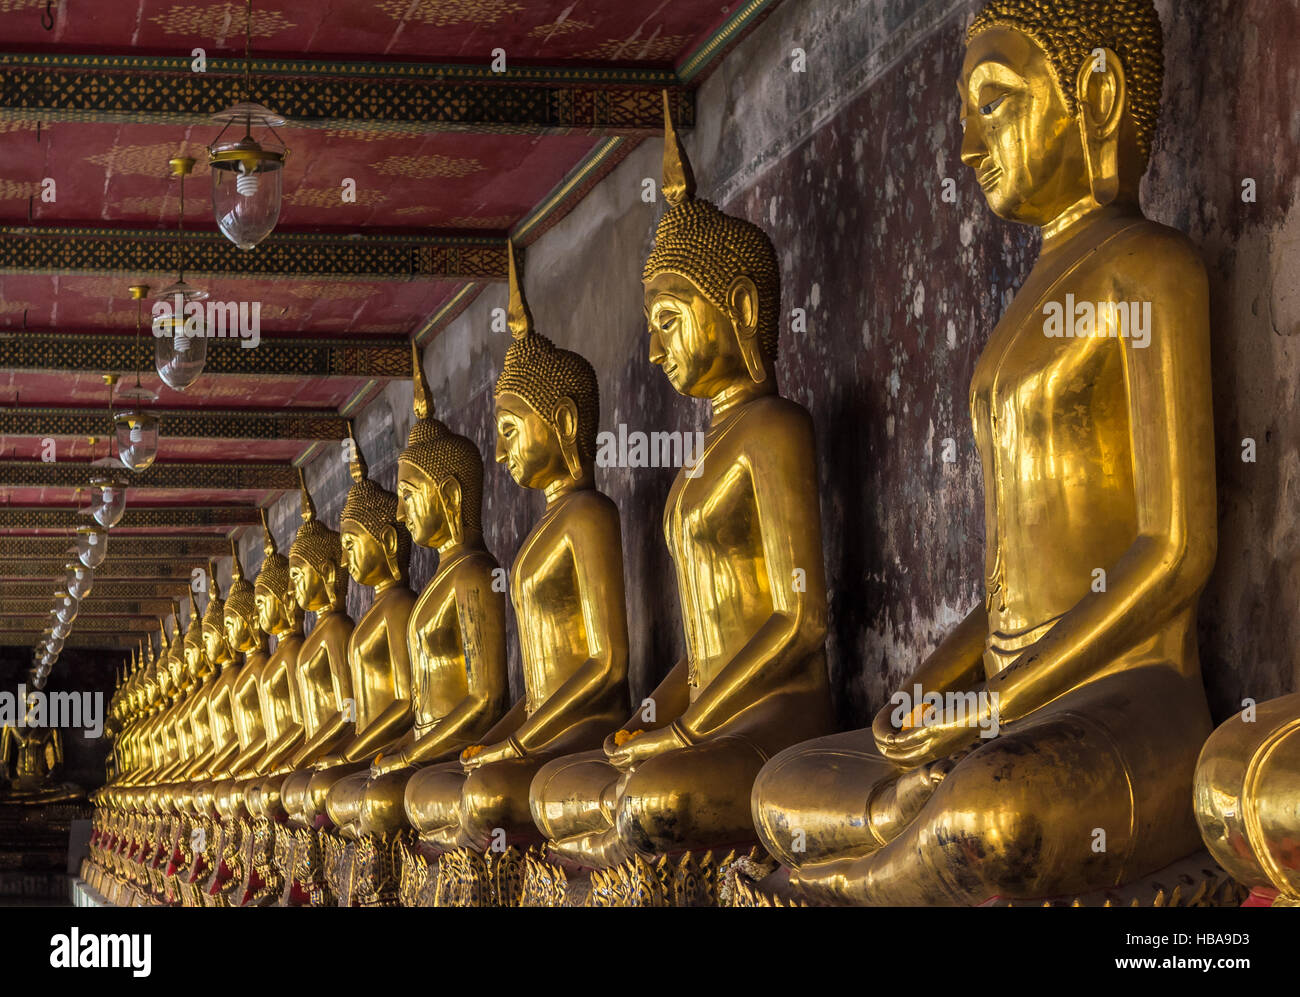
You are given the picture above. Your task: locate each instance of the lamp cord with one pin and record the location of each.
(248, 48)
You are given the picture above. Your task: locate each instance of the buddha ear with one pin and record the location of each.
(742, 302)
(449, 492)
(1101, 90)
(389, 543)
(565, 422)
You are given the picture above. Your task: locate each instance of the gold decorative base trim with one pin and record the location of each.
(337, 859)
(1196, 881)
(686, 880)
(259, 884)
(377, 869)
(461, 877)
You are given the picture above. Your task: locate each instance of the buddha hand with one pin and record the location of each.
(929, 741)
(485, 754)
(625, 748)
(383, 764)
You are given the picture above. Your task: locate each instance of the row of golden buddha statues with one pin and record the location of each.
(383, 763)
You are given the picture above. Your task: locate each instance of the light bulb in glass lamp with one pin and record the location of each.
(66, 608)
(78, 579)
(137, 437)
(61, 630)
(92, 545)
(180, 343)
(247, 175)
(112, 501)
(54, 645)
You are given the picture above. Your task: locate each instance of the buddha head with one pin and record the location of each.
(316, 574)
(376, 547)
(240, 619)
(216, 651)
(157, 679)
(277, 611)
(1059, 103)
(439, 475)
(712, 288)
(547, 402)
(162, 672)
(174, 655)
(195, 666)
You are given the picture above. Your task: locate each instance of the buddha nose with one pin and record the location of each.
(973, 148)
(657, 352)
(501, 450)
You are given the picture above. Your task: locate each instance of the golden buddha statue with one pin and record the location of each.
(204, 667)
(1247, 800)
(320, 586)
(160, 755)
(245, 636)
(218, 628)
(743, 526)
(183, 668)
(1061, 759)
(376, 549)
(30, 760)
(456, 634)
(567, 589)
(235, 709)
(215, 733)
(279, 616)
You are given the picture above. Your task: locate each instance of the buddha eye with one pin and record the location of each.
(992, 105)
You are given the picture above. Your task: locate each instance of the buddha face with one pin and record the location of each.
(164, 683)
(271, 614)
(526, 443)
(239, 631)
(309, 589)
(193, 657)
(176, 666)
(364, 555)
(1020, 139)
(420, 507)
(214, 646)
(691, 339)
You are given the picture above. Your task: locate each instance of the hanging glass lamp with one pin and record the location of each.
(180, 337)
(92, 545)
(247, 172)
(135, 428)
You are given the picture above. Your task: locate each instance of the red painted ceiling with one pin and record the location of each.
(629, 32)
(116, 175)
(313, 309)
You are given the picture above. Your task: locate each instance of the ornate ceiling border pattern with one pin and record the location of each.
(78, 250)
(190, 476)
(49, 518)
(111, 588)
(172, 572)
(171, 547)
(224, 425)
(162, 91)
(358, 356)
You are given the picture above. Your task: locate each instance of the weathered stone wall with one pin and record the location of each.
(843, 164)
